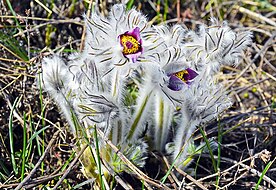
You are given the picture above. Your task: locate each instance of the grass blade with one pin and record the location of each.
(264, 172)
(220, 129)
(35, 135)
(13, 13)
(68, 161)
(5, 170)
(209, 148)
(129, 4)
(174, 161)
(14, 167)
(24, 148)
(166, 7)
(3, 177)
(99, 159)
(12, 46)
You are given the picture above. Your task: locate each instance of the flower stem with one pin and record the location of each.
(138, 116)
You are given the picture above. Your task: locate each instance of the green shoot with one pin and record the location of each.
(12, 45)
(264, 172)
(129, 4)
(68, 161)
(158, 10)
(220, 129)
(13, 13)
(14, 166)
(23, 157)
(166, 10)
(4, 175)
(99, 159)
(42, 107)
(209, 148)
(174, 162)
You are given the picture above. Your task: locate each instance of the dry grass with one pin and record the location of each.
(32, 29)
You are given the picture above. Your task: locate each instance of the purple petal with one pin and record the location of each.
(134, 56)
(192, 74)
(175, 83)
(132, 44)
(135, 33)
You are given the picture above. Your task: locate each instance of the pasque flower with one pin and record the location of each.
(117, 41)
(179, 79)
(215, 45)
(132, 44)
(146, 87)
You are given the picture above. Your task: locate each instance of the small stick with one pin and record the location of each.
(256, 172)
(255, 15)
(191, 178)
(241, 163)
(70, 167)
(33, 182)
(171, 174)
(44, 7)
(69, 21)
(268, 42)
(39, 162)
(178, 11)
(138, 172)
(117, 177)
(84, 26)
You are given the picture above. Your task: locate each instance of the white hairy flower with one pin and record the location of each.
(134, 80)
(215, 45)
(58, 81)
(204, 101)
(120, 41)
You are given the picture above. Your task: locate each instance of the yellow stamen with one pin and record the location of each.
(130, 44)
(181, 75)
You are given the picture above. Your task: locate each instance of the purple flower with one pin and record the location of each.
(132, 44)
(177, 80)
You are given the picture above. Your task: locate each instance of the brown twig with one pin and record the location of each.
(191, 178)
(268, 43)
(33, 182)
(70, 167)
(69, 21)
(26, 179)
(116, 176)
(84, 26)
(252, 170)
(173, 177)
(138, 172)
(178, 11)
(255, 15)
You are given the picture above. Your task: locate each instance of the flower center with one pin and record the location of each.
(130, 44)
(178, 79)
(182, 75)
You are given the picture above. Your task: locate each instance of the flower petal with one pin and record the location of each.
(132, 44)
(175, 83)
(135, 33)
(134, 56)
(191, 74)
